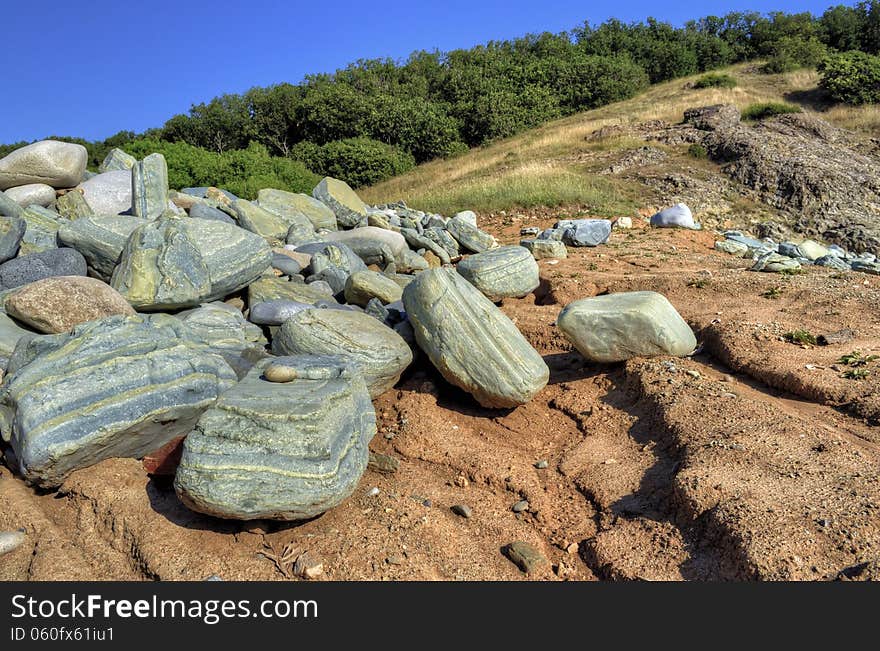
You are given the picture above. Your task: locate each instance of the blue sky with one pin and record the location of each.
(91, 69)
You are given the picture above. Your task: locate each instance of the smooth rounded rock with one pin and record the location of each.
(677, 216)
(508, 271)
(38, 194)
(362, 286)
(108, 193)
(30, 268)
(394, 241)
(274, 313)
(8, 207)
(545, 249)
(204, 211)
(55, 163)
(294, 207)
(617, 327)
(585, 232)
(280, 450)
(473, 344)
(379, 353)
(12, 230)
(118, 387)
(57, 304)
(11, 540)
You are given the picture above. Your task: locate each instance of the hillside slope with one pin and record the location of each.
(571, 165)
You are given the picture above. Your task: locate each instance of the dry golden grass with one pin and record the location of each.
(540, 166)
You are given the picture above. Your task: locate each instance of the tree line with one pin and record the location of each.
(379, 117)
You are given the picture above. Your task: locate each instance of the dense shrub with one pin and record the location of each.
(698, 151)
(764, 110)
(715, 80)
(852, 77)
(243, 172)
(790, 53)
(357, 161)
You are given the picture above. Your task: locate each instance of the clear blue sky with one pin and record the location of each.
(93, 68)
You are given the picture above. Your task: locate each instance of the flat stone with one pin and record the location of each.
(281, 451)
(774, 262)
(30, 268)
(545, 249)
(117, 160)
(57, 304)
(172, 263)
(204, 211)
(469, 236)
(462, 510)
(379, 353)
(276, 312)
(285, 265)
(12, 230)
(149, 187)
(353, 238)
(41, 233)
(55, 163)
(617, 327)
(275, 289)
(362, 286)
(110, 193)
(731, 247)
(508, 271)
(350, 211)
(295, 207)
(473, 344)
(677, 216)
(258, 220)
(383, 463)
(38, 194)
(100, 240)
(8, 207)
(865, 266)
(586, 232)
(525, 556)
(833, 262)
(520, 507)
(118, 387)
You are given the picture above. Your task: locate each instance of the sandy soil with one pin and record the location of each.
(754, 459)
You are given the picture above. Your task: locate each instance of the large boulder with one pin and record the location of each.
(285, 450)
(172, 263)
(294, 207)
(59, 164)
(267, 224)
(469, 236)
(362, 286)
(149, 187)
(224, 329)
(59, 303)
(12, 231)
(117, 160)
(617, 327)
(350, 211)
(278, 289)
(585, 232)
(38, 194)
(8, 207)
(36, 266)
(41, 233)
(357, 237)
(118, 387)
(379, 353)
(10, 334)
(508, 271)
(108, 193)
(100, 240)
(473, 344)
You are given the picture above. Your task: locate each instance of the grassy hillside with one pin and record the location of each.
(551, 165)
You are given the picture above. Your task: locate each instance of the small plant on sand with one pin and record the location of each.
(764, 110)
(800, 337)
(773, 292)
(792, 272)
(698, 151)
(856, 374)
(856, 359)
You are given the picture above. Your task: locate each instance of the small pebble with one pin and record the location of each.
(394, 560)
(427, 503)
(519, 507)
(308, 566)
(214, 577)
(692, 373)
(10, 540)
(279, 373)
(373, 491)
(543, 463)
(461, 481)
(462, 509)
(525, 556)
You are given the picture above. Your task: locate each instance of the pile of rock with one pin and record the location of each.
(134, 316)
(792, 256)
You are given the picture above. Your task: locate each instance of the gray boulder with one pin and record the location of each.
(585, 232)
(110, 193)
(379, 353)
(36, 266)
(773, 262)
(149, 187)
(41, 233)
(543, 249)
(225, 331)
(117, 160)
(295, 207)
(350, 211)
(38, 194)
(274, 313)
(473, 344)
(264, 223)
(677, 216)
(100, 240)
(172, 263)
(362, 286)
(118, 387)
(275, 289)
(59, 164)
(283, 450)
(204, 211)
(419, 241)
(508, 271)
(617, 327)
(12, 229)
(8, 207)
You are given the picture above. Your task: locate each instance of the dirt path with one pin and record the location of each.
(753, 459)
